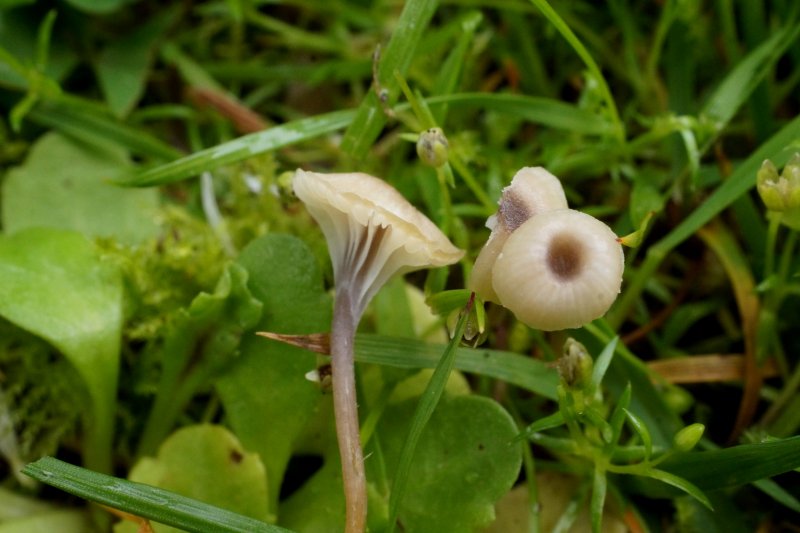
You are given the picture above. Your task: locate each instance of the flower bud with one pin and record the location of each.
(687, 438)
(432, 147)
(780, 193)
(575, 365)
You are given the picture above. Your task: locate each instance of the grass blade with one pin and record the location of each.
(512, 368)
(83, 120)
(242, 148)
(544, 111)
(587, 59)
(599, 486)
(740, 83)
(602, 362)
(681, 483)
(427, 403)
(396, 57)
(730, 467)
(143, 500)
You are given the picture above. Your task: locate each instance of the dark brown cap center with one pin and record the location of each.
(565, 257)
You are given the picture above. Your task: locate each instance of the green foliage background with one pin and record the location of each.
(148, 230)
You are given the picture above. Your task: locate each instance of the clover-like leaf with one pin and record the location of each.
(266, 396)
(54, 284)
(207, 463)
(63, 184)
(465, 461)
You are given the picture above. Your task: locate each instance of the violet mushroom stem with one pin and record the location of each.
(373, 233)
(345, 408)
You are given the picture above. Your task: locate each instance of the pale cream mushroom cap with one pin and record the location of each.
(559, 270)
(372, 231)
(533, 190)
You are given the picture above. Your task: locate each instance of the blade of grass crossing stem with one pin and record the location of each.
(513, 368)
(427, 403)
(779, 148)
(242, 148)
(566, 32)
(396, 56)
(143, 500)
(544, 111)
(599, 485)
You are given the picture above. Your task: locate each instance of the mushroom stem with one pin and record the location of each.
(346, 314)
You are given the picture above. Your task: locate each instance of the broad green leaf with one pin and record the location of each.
(14, 506)
(203, 341)
(322, 493)
(149, 502)
(63, 184)
(266, 396)
(53, 284)
(207, 463)
(465, 461)
(123, 66)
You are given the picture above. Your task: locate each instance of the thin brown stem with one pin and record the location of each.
(343, 329)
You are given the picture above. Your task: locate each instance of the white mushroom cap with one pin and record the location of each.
(533, 190)
(373, 232)
(560, 269)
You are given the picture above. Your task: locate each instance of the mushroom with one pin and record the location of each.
(373, 233)
(533, 190)
(560, 269)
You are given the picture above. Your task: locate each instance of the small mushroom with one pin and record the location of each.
(533, 190)
(373, 233)
(560, 269)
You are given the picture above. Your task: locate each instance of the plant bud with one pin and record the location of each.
(432, 147)
(687, 438)
(575, 365)
(780, 193)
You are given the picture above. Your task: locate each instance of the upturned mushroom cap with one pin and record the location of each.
(372, 231)
(560, 269)
(533, 190)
